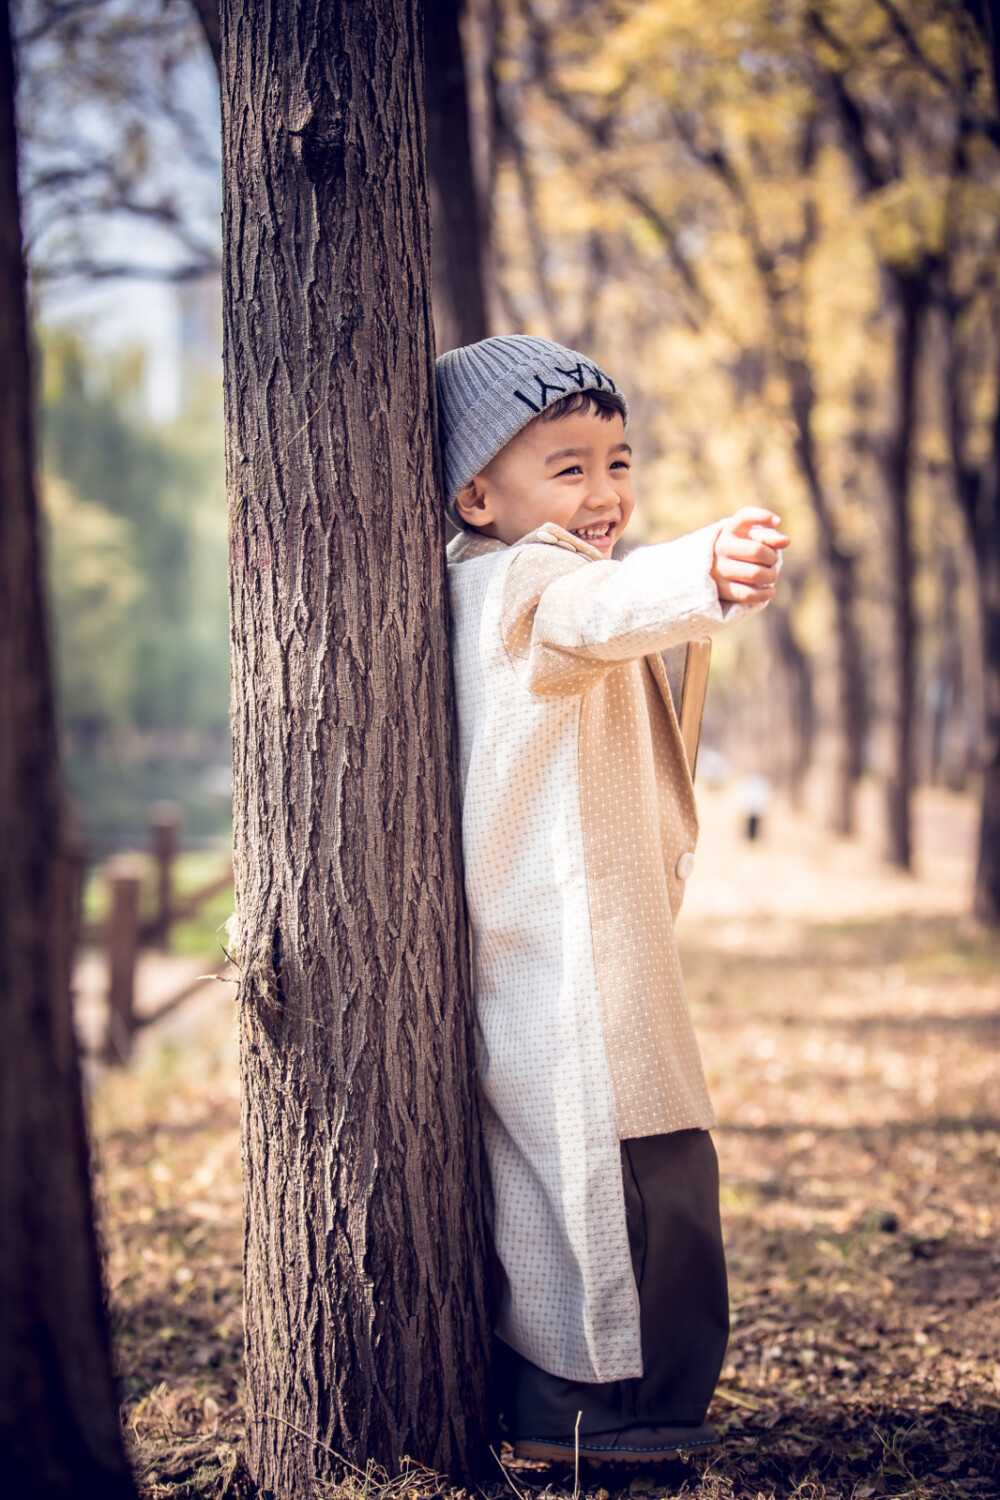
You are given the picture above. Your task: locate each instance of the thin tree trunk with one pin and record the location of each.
(789, 337)
(458, 241)
(906, 294)
(797, 672)
(839, 568)
(207, 12)
(907, 298)
(977, 486)
(59, 1432)
(945, 687)
(365, 1316)
(987, 888)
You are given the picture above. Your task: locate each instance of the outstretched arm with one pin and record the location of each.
(565, 621)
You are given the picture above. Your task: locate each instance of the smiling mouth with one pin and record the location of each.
(595, 533)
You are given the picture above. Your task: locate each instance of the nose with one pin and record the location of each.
(602, 493)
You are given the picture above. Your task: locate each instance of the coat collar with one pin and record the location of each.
(468, 544)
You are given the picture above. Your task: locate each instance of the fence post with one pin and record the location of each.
(122, 945)
(76, 863)
(164, 826)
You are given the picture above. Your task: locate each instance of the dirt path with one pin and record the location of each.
(850, 1020)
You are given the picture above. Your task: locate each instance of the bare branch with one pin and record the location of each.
(869, 171)
(917, 54)
(112, 131)
(53, 16)
(84, 269)
(599, 132)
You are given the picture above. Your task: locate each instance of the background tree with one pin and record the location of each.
(120, 141)
(59, 1434)
(873, 139)
(769, 199)
(366, 1324)
(968, 298)
(698, 147)
(457, 219)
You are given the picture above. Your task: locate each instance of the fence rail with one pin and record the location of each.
(124, 932)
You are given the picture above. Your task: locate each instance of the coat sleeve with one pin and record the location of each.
(566, 620)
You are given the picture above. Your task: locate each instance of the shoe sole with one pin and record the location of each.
(561, 1453)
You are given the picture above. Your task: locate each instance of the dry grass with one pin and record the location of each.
(850, 1022)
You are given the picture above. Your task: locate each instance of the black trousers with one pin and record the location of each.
(672, 1211)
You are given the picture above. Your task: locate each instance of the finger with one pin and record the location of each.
(751, 515)
(771, 538)
(744, 593)
(735, 571)
(748, 551)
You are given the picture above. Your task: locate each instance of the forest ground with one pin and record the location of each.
(850, 1022)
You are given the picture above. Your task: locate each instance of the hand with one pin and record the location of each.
(745, 568)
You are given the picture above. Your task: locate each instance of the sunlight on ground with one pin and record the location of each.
(850, 1019)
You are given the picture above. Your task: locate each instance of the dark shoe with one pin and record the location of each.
(632, 1445)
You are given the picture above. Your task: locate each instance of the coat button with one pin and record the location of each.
(685, 865)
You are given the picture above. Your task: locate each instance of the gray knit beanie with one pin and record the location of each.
(488, 391)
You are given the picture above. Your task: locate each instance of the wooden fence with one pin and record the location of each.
(124, 932)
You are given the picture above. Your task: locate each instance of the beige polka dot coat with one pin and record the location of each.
(578, 824)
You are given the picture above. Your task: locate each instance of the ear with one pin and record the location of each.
(473, 503)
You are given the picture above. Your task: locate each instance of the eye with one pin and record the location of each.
(573, 469)
(621, 463)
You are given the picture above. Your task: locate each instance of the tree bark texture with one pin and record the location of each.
(458, 221)
(365, 1310)
(59, 1432)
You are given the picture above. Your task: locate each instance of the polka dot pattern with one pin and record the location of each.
(576, 805)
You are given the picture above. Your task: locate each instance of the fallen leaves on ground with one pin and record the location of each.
(853, 1063)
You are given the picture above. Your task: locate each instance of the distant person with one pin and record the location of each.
(579, 828)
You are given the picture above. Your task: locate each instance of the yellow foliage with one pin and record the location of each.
(708, 234)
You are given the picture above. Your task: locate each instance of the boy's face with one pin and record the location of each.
(574, 471)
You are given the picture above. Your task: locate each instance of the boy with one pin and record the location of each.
(579, 827)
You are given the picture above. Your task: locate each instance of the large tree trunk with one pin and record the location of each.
(459, 240)
(366, 1321)
(459, 225)
(59, 1433)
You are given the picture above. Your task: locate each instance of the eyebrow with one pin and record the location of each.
(582, 452)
